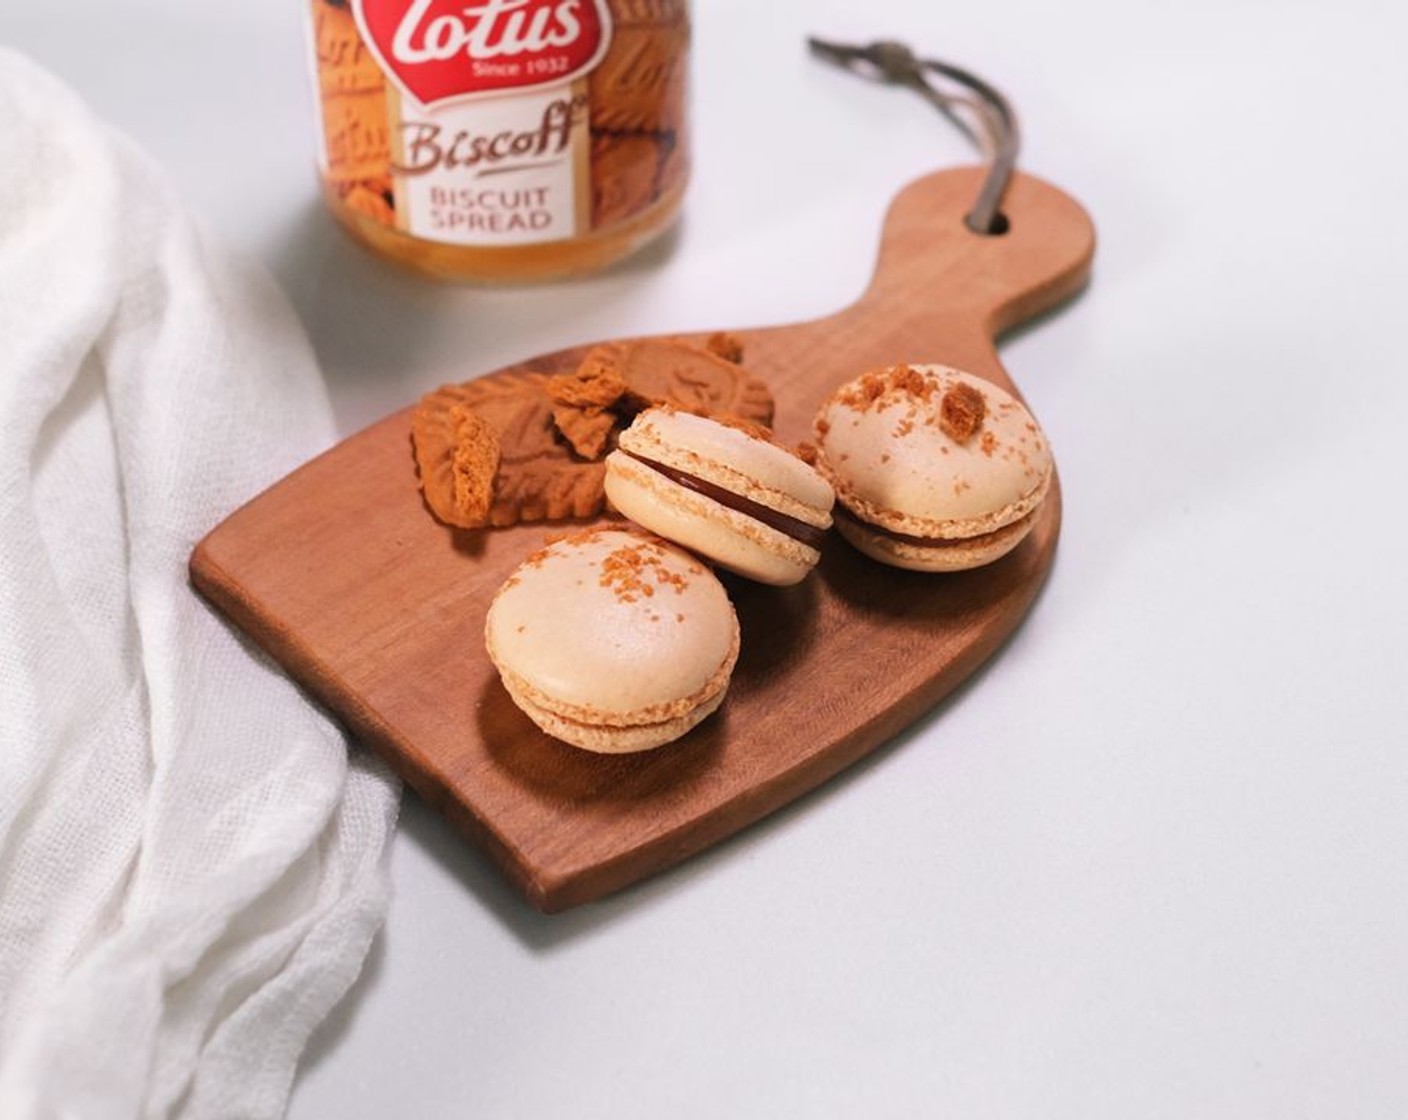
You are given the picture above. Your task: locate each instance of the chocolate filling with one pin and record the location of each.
(798, 530)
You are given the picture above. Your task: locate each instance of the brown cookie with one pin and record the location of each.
(345, 65)
(588, 430)
(662, 371)
(641, 84)
(582, 404)
(674, 164)
(361, 199)
(352, 90)
(458, 456)
(727, 346)
(624, 175)
(617, 380)
(536, 478)
(551, 432)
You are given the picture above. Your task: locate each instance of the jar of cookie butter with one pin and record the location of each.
(502, 140)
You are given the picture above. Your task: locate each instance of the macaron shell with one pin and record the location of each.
(892, 463)
(613, 627)
(733, 459)
(951, 556)
(606, 739)
(731, 539)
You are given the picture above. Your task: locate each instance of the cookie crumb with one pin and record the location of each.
(876, 387)
(961, 412)
(635, 570)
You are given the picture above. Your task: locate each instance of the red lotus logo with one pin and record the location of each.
(445, 50)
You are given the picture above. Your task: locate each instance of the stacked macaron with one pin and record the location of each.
(727, 493)
(935, 469)
(613, 640)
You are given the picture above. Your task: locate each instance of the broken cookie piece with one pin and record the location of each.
(660, 371)
(617, 380)
(458, 456)
(580, 406)
(534, 477)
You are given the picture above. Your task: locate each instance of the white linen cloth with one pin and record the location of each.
(191, 870)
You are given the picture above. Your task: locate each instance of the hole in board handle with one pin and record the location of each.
(997, 228)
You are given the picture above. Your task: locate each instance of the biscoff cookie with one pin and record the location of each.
(724, 345)
(641, 85)
(352, 96)
(617, 380)
(552, 432)
(458, 457)
(625, 174)
(362, 199)
(660, 371)
(581, 407)
(534, 476)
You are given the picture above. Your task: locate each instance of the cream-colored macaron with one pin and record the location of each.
(737, 499)
(613, 640)
(935, 469)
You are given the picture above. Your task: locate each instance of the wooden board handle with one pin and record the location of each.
(931, 263)
(939, 293)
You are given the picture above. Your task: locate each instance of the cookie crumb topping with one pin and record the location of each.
(742, 424)
(868, 389)
(961, 412)
(636, 570)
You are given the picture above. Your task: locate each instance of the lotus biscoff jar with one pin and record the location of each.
(502, 140)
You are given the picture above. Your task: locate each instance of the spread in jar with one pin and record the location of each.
(502, 140)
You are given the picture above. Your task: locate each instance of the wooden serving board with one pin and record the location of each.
(342, 575)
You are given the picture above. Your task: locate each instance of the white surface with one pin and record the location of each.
(1151, 861)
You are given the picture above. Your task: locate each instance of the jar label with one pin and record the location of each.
(501, 122)
(443, 50)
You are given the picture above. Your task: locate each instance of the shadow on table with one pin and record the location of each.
(543, 933)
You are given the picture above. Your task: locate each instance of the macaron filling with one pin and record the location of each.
(810, 535)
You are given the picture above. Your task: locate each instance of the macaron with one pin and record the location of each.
(935, 470)
(725, 493)
(613, 640)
